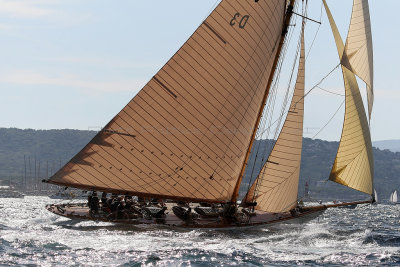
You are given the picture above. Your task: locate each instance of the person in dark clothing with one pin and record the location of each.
(128, 202)
(109, 203)
(104, 199)
(141, 201)
(121, 208)
(89, 201)
(229, 212)
(114, 204)
(104, 203)
(94, 203)
(116, 208)
(187, 214)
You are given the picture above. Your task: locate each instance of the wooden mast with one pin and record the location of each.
(288, 16)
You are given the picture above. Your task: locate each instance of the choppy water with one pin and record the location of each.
(30, 235)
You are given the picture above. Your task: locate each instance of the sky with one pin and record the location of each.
(76, 63)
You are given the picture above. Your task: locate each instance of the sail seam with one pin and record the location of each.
(215, 32)
(165, 87)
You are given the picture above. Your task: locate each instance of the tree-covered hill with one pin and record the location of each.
(317, 159)
(47, 146)
(392, 145)
(53, 148)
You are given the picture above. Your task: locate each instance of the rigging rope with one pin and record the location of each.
(329, 91)
(316, 33)
(315, 86)
(329, 120)
(326, 76)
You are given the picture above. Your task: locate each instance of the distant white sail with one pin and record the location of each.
(393, 197)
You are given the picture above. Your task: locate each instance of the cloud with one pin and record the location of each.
(52, 11)
(107, 61)
(6, 27)
(25, 8)
(22, 77)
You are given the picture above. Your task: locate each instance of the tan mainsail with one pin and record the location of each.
(275, 189)
(359, 47)
(353, 165)
(185, 134)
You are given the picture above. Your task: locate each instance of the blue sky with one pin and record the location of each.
(75, 64)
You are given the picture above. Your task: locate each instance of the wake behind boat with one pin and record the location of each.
(186, 137)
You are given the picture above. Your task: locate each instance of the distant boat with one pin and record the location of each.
(9, 192)
(185, 139)
(393, 197)
(62, 194)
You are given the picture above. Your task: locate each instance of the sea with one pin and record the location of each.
(31, 236)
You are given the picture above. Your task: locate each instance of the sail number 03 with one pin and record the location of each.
(240, 20)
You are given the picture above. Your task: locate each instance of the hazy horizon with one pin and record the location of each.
(92, 129)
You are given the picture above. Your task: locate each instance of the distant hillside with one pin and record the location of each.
(50, 147)
(55, 147)
(392, 145)
(317, 160)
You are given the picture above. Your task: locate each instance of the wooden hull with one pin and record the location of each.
(81, 212)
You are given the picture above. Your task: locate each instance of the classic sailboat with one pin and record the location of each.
(393, 197)
(184, 140)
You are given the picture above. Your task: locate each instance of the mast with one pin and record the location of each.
(288, 16)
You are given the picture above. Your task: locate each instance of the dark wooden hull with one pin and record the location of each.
(81, 212)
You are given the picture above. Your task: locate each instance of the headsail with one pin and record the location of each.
(353, 165)
(276, 187)
(183, 136)
(359, 47)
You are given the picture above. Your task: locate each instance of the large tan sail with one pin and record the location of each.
(276, 187)
(353, 166)
(359, 47)
(185, 134)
